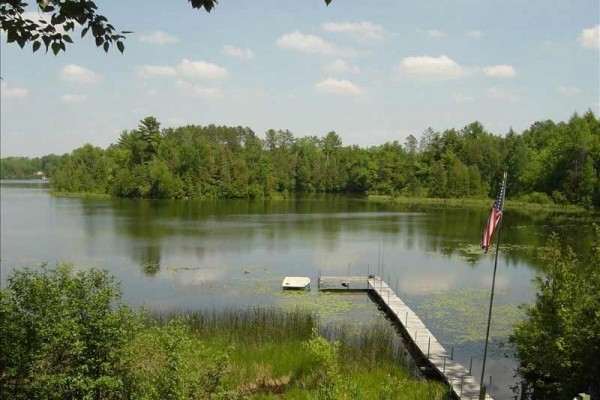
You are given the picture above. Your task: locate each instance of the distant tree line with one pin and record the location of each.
(549, 162)
(26, 168)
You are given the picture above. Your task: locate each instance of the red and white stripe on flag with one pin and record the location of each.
(494, 219)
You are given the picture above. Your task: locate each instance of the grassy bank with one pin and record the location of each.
(273, 353)
(78, 195)
(426, 202)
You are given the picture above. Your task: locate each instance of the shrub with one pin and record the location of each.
(537, 198)
(60, 334)
(168, 362)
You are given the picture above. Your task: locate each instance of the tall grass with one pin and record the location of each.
(255, 325)
(271, 354)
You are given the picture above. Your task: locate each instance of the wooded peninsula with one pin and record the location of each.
(548, 163)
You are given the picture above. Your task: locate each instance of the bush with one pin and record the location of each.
(558, 345)
(559, 197)
(537, 198)
(168, 362)
(61, 333)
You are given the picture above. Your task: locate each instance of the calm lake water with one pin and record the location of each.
(199, 254)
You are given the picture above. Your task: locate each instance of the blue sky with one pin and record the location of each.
(373, 72)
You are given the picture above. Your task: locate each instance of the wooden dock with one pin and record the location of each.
(424, 347)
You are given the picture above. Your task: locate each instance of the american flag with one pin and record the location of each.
(495, 217)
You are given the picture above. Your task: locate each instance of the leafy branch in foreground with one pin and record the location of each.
(58, 19)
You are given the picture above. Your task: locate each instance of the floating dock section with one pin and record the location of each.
(436, 361)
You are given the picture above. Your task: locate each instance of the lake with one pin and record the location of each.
(227, 253)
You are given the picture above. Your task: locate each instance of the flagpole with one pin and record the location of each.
(482, 389)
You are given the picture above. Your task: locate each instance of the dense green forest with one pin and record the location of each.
(547, 163)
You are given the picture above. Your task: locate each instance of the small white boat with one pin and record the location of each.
(295, 282)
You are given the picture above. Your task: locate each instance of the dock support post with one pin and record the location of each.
(428, 346)
(406, 320)
(319, 280)
(397, 284)
(490, 388)
(462, 380)
(452, 353)
(444, 371)
(470, 365)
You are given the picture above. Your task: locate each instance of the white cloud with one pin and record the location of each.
(73, 98)
(197, 91)
(569, 90)
(200, 70)
(364, 30)
(499, 93)
(435, 33)
(13, 92)
(148, 71)
(311, 44)
(500, 71)
(185, 69)
(76, 73)
(338, 86)
(590, 38)
(474, 34)
(238, 52)
(431, 68)
(151, 92)
(341, 66)
(159, 37)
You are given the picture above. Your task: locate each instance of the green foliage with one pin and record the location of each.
(61, 333)
(169, 362)
(549, 163)
(26, 168)
(538, 198)
(326, 355)
(558, 345)
(64, 15)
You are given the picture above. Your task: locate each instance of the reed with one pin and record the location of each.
(270, 355)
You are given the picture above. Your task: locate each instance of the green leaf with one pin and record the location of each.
(121, 47)
(58, 19)
(67, 38)
(106, 46)
(327, 2)
(11, 35)
(55, 48)
(99, 41)
(36, 46)
(84, 31)
(21, 41)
